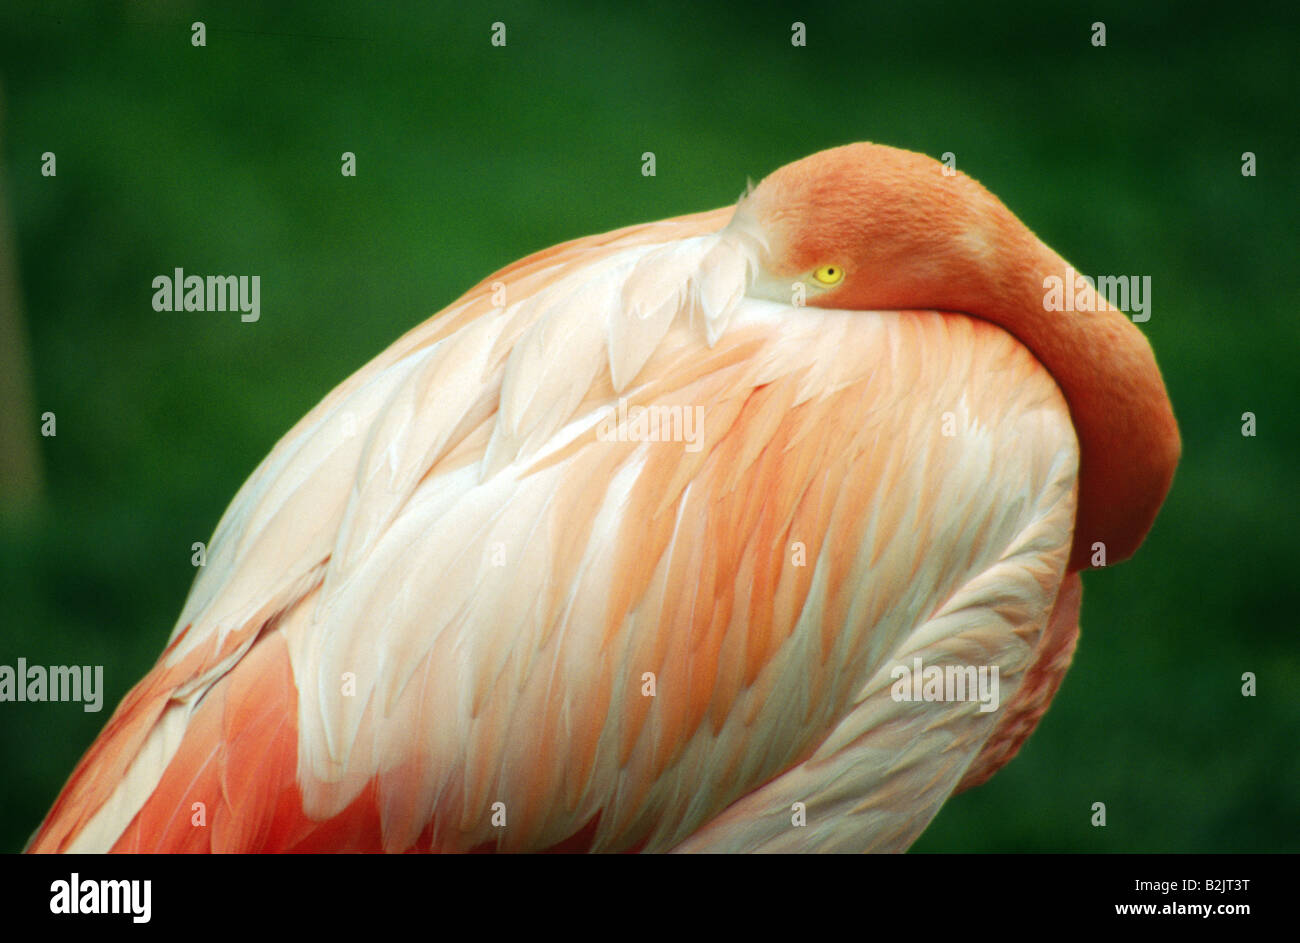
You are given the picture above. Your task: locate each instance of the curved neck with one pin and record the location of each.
(1128, 437)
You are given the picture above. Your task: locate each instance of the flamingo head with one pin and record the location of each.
(868, 227)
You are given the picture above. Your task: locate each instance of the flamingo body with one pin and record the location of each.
(450, 612)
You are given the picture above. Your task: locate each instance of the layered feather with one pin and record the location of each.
(444, 596)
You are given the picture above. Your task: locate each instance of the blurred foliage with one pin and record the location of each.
(1125, 159)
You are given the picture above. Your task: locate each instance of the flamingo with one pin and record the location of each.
(468, 603)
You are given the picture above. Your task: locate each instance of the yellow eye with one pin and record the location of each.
(829, 274)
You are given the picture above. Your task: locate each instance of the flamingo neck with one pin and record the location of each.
(1128, 437)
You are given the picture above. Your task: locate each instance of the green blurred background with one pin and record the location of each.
(1125, 159)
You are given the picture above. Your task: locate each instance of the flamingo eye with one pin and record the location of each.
(829, 274)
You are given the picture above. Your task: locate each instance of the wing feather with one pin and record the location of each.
(475, 569)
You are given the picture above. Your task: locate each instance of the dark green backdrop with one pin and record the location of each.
(1125, 159)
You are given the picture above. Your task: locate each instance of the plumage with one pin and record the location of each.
(444, 596)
